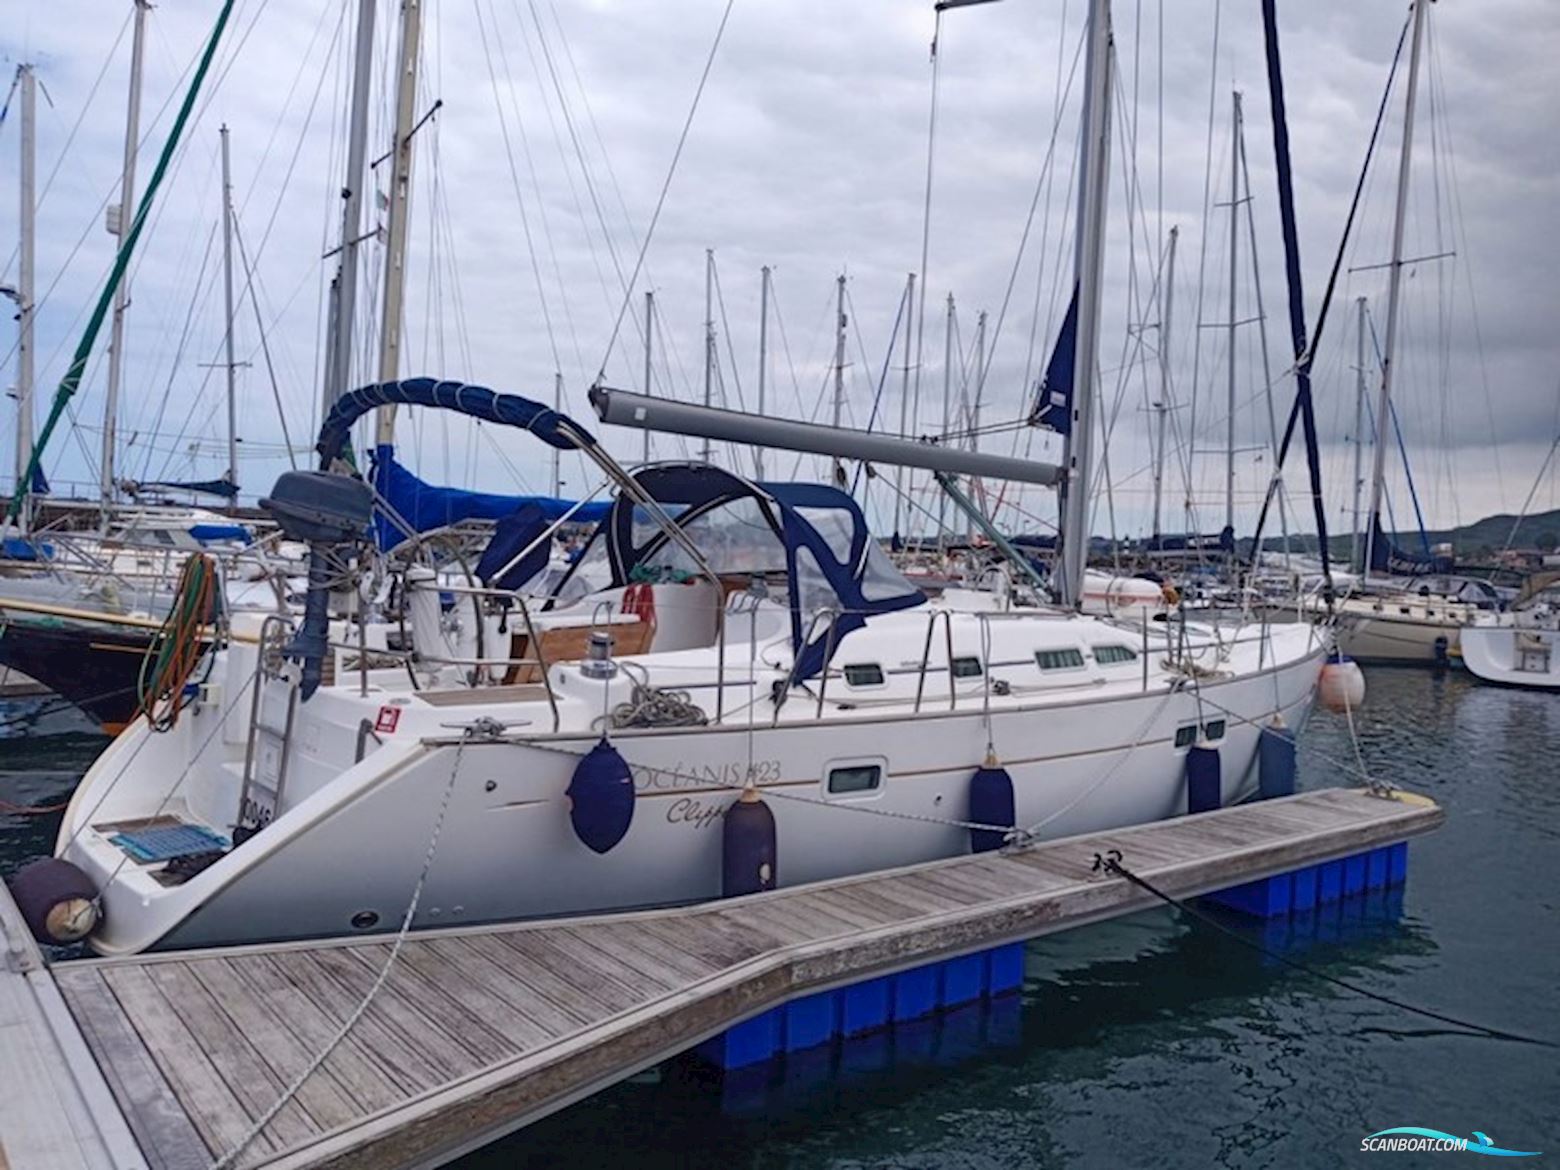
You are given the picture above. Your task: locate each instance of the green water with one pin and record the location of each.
(1156, 1040)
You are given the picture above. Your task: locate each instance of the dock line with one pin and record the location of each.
(1110, 862)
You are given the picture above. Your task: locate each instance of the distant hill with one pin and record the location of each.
(1472, 542)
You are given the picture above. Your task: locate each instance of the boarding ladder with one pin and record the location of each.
(273, 705)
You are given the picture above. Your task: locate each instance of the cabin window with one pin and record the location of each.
(864, 674)
(966, 668)
(1186, 736)
(1068, 659)
(1213, 729)
(1109, 655)
(855, 778)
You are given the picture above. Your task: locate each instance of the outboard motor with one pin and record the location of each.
(326, 512)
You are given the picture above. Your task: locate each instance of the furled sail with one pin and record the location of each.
(1053, 397)
(1389, 559)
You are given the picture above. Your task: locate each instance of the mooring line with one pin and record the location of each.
(1110, 862)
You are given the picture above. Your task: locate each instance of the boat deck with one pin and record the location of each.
(475, 1032)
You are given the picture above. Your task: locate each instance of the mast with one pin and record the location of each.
(557, 454)
(338, 361)
(1394, 282)
(227, 299)
(649, 351)
(1094, 171)
(119, 225)
(23, 295)
(763, 357)
(1162, 407)
(947, 404)
(1359, 427)
(1229, 421)
(398, 217)
(709, 340)
(980, 378)
(1262, 340)
(904, 399)
(839, 350)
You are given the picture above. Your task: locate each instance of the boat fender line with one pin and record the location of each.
(748, 844)
(991, 803)
(1276, 760)
(1443, 652)
(58, 901)
(1111, 863)
(1203, 778)
(601, 797)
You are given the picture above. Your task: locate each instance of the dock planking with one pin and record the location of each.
(478, 1031)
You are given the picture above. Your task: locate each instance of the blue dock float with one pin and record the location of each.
(875, 1004)
(1306, 888)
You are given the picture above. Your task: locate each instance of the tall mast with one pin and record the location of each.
(839, 365)
(709, 340)
(763, 357)
(839, 350)
(557, 454)
(25, 305)
(1162, 407)
(119, 225)
(227, 299)
(1262, 338)
(904, 398)
(1395, 281)
(1359, 427)
(947, 406)
(1094, 171)
(338, 360)
(980, 378)
(398, 216)
(649, 351)
(1229, 420)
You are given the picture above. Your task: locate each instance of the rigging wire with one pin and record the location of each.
(666, 185)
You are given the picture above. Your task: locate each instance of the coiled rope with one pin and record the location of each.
(650, 706)
(178, 646)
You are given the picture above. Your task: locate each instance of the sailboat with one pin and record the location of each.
(733, 689)
(1382, 623)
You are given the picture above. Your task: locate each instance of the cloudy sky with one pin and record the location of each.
(537, 178)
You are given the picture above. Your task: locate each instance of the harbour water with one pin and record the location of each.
(1157, 1040)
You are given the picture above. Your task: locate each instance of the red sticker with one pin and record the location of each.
(388, 718)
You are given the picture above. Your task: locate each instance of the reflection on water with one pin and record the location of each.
(1157, 1040)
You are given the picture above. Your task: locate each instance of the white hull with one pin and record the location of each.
(1098, 752)
(1512, 656)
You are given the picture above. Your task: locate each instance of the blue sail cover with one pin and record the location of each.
(1053, 397)
(1387, 558)
(422, 506)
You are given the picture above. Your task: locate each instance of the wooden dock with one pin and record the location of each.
(479, 1031)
